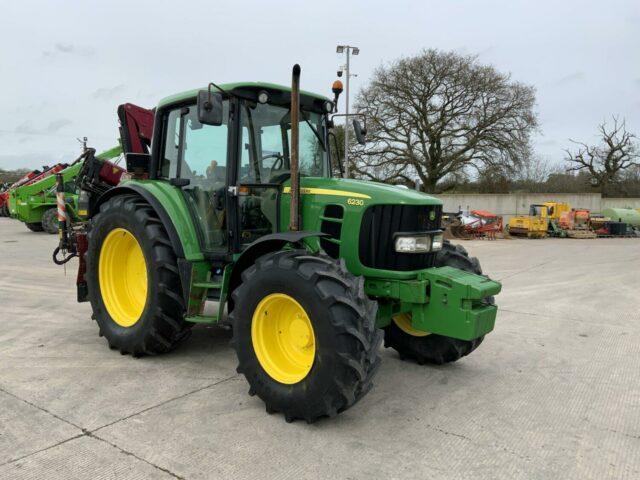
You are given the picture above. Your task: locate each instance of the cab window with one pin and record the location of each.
(203, 149)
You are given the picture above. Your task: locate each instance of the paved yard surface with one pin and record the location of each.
(553, 392)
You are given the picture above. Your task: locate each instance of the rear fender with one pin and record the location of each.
(155, 204)
(169, 206)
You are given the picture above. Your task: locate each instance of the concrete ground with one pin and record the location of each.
(553, 392)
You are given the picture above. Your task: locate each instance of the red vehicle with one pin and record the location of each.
(487, 224)
(4, 204)
(29, 178)
(476, 224)
(4, 191)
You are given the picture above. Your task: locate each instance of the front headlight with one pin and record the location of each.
(413, 244)
(437, 242)
(418, 243)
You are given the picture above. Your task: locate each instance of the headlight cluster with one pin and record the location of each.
(419, 243)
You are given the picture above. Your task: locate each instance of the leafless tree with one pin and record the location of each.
(616, 152)
(441, 114)
(537, 170)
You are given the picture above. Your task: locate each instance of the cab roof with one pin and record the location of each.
(192, 94)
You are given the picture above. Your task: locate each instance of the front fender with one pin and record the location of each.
(262, 246)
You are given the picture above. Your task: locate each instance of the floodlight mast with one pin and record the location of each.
(348, 49)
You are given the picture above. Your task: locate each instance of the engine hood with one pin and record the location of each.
(370, 192)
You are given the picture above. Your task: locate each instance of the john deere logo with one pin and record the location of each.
(432, 215)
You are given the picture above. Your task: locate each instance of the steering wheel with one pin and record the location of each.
(279, 160)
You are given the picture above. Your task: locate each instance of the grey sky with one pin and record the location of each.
(65, 66)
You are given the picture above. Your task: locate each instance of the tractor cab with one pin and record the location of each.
(232, 170)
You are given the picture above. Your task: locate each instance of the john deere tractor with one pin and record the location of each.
(231, 206)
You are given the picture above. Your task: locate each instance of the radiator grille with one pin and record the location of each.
(379, 225)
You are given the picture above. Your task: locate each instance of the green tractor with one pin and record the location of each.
(34, 203)
(231, 207)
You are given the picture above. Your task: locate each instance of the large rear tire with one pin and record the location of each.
(133, 280)
(428, 347)
(304, 333)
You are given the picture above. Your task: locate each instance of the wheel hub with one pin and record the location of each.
(283, 338)
(403, 321)
(122, 274)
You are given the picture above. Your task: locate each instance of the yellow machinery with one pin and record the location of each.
(542, 220)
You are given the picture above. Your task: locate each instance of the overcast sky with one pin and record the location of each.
(65, 66)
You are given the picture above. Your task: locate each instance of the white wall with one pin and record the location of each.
(621, 203)
(510, 204)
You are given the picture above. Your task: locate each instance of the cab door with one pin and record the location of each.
(262, 166)
(195, 158)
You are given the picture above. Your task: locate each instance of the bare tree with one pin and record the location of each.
(440, 114)
(617, 151)
(537, 170)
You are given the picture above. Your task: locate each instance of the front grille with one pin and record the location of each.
(379, 225)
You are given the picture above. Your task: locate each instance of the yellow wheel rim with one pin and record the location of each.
(403, 321)
(283, 338)
(122, 273)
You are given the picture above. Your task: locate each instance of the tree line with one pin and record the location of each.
(440, 121)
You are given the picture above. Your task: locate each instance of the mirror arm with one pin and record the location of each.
(363, 115)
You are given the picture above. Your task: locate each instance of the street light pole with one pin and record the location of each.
(348, 49)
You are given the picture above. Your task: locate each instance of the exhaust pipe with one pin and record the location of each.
(294, 209)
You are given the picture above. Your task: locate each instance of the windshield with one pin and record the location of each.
(266, 141)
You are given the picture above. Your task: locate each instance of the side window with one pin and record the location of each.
(205, 150)
(247, 172)
(204, 164)
(204, 147)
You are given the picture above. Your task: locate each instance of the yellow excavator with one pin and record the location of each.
(542, 220)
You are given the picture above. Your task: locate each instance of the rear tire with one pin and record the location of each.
(35, 226)
(433, 348)
(50, 221)
(344, 338)
(160, 326)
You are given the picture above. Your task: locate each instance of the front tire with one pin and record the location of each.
(132, 278)
(426, 347)
(304, 334)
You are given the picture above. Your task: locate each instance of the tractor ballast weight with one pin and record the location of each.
(234, 210)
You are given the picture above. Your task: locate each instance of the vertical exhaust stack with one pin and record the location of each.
(294, 210)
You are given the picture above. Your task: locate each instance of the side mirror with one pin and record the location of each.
(361, 132)
(210, 108)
